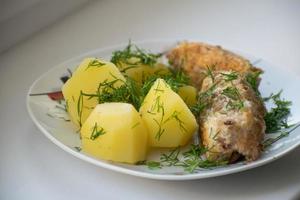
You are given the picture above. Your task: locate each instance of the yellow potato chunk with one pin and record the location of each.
(188, 94)
(169, 121)
(84, 82)
(116, 132)
(140, 72)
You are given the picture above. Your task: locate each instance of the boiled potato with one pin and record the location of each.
(85, 80)
(140, 72)
(160, 69)
(115, 131)
(188, 94)
(169, 121)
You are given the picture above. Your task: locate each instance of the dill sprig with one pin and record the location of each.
(158, 107)
(195, 151)
(128, 92)
(203, 100)
(94, 63)
(253, 79)
(153, 165)
(210, 73)
(276, 118)
(283, 134)
(170, 159)
(175, 79)
(190, 160)
(230, 76)
(96, 132)
(80, 108)
(233, 93)
(180, 122)
(133, 56)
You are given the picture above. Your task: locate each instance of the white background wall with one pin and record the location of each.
(21, 18)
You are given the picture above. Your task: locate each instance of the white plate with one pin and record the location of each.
(64, 134)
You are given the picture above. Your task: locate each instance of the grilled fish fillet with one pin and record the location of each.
(194, 58)
(233, 120)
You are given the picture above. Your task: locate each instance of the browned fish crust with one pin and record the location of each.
(195, 57)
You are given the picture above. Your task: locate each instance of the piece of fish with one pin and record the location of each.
(233, 120)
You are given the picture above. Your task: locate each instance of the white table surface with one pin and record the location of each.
(31, 167)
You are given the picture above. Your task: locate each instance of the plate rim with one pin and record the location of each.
(133, 172)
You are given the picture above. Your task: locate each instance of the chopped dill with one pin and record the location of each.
(153, 165)
(283, 134)
(160, 130)
(158, 108)
(133, 56)
(233, 93)
(96, 133)
(77, 148)
(203, 101)
(253, 79)
(210, 73)
(195, 151)
(230, 76)
(175, 80)
(235, 105)
(215, 135)
(128, 92)
(190, 160)
(175, 116)
(135, 125)
(271, 141)
(94, 63)
(170, 159)
(67, 106)
(80, 108)
(276, 118)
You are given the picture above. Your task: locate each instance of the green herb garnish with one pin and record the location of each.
(175, 116)
(253, 79)
(283, 134)
(80, 108)
(133, 56)
(135, 125)
(94, 63)
(153, 164)
(231, 92)
(276, 118)
(128, 92)
(235, 96)
(203, 101)
(230, 76)
(210, 73)
(96, 132)
(190, 160)
(176, 79)
(170, 159)
(158, 107)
